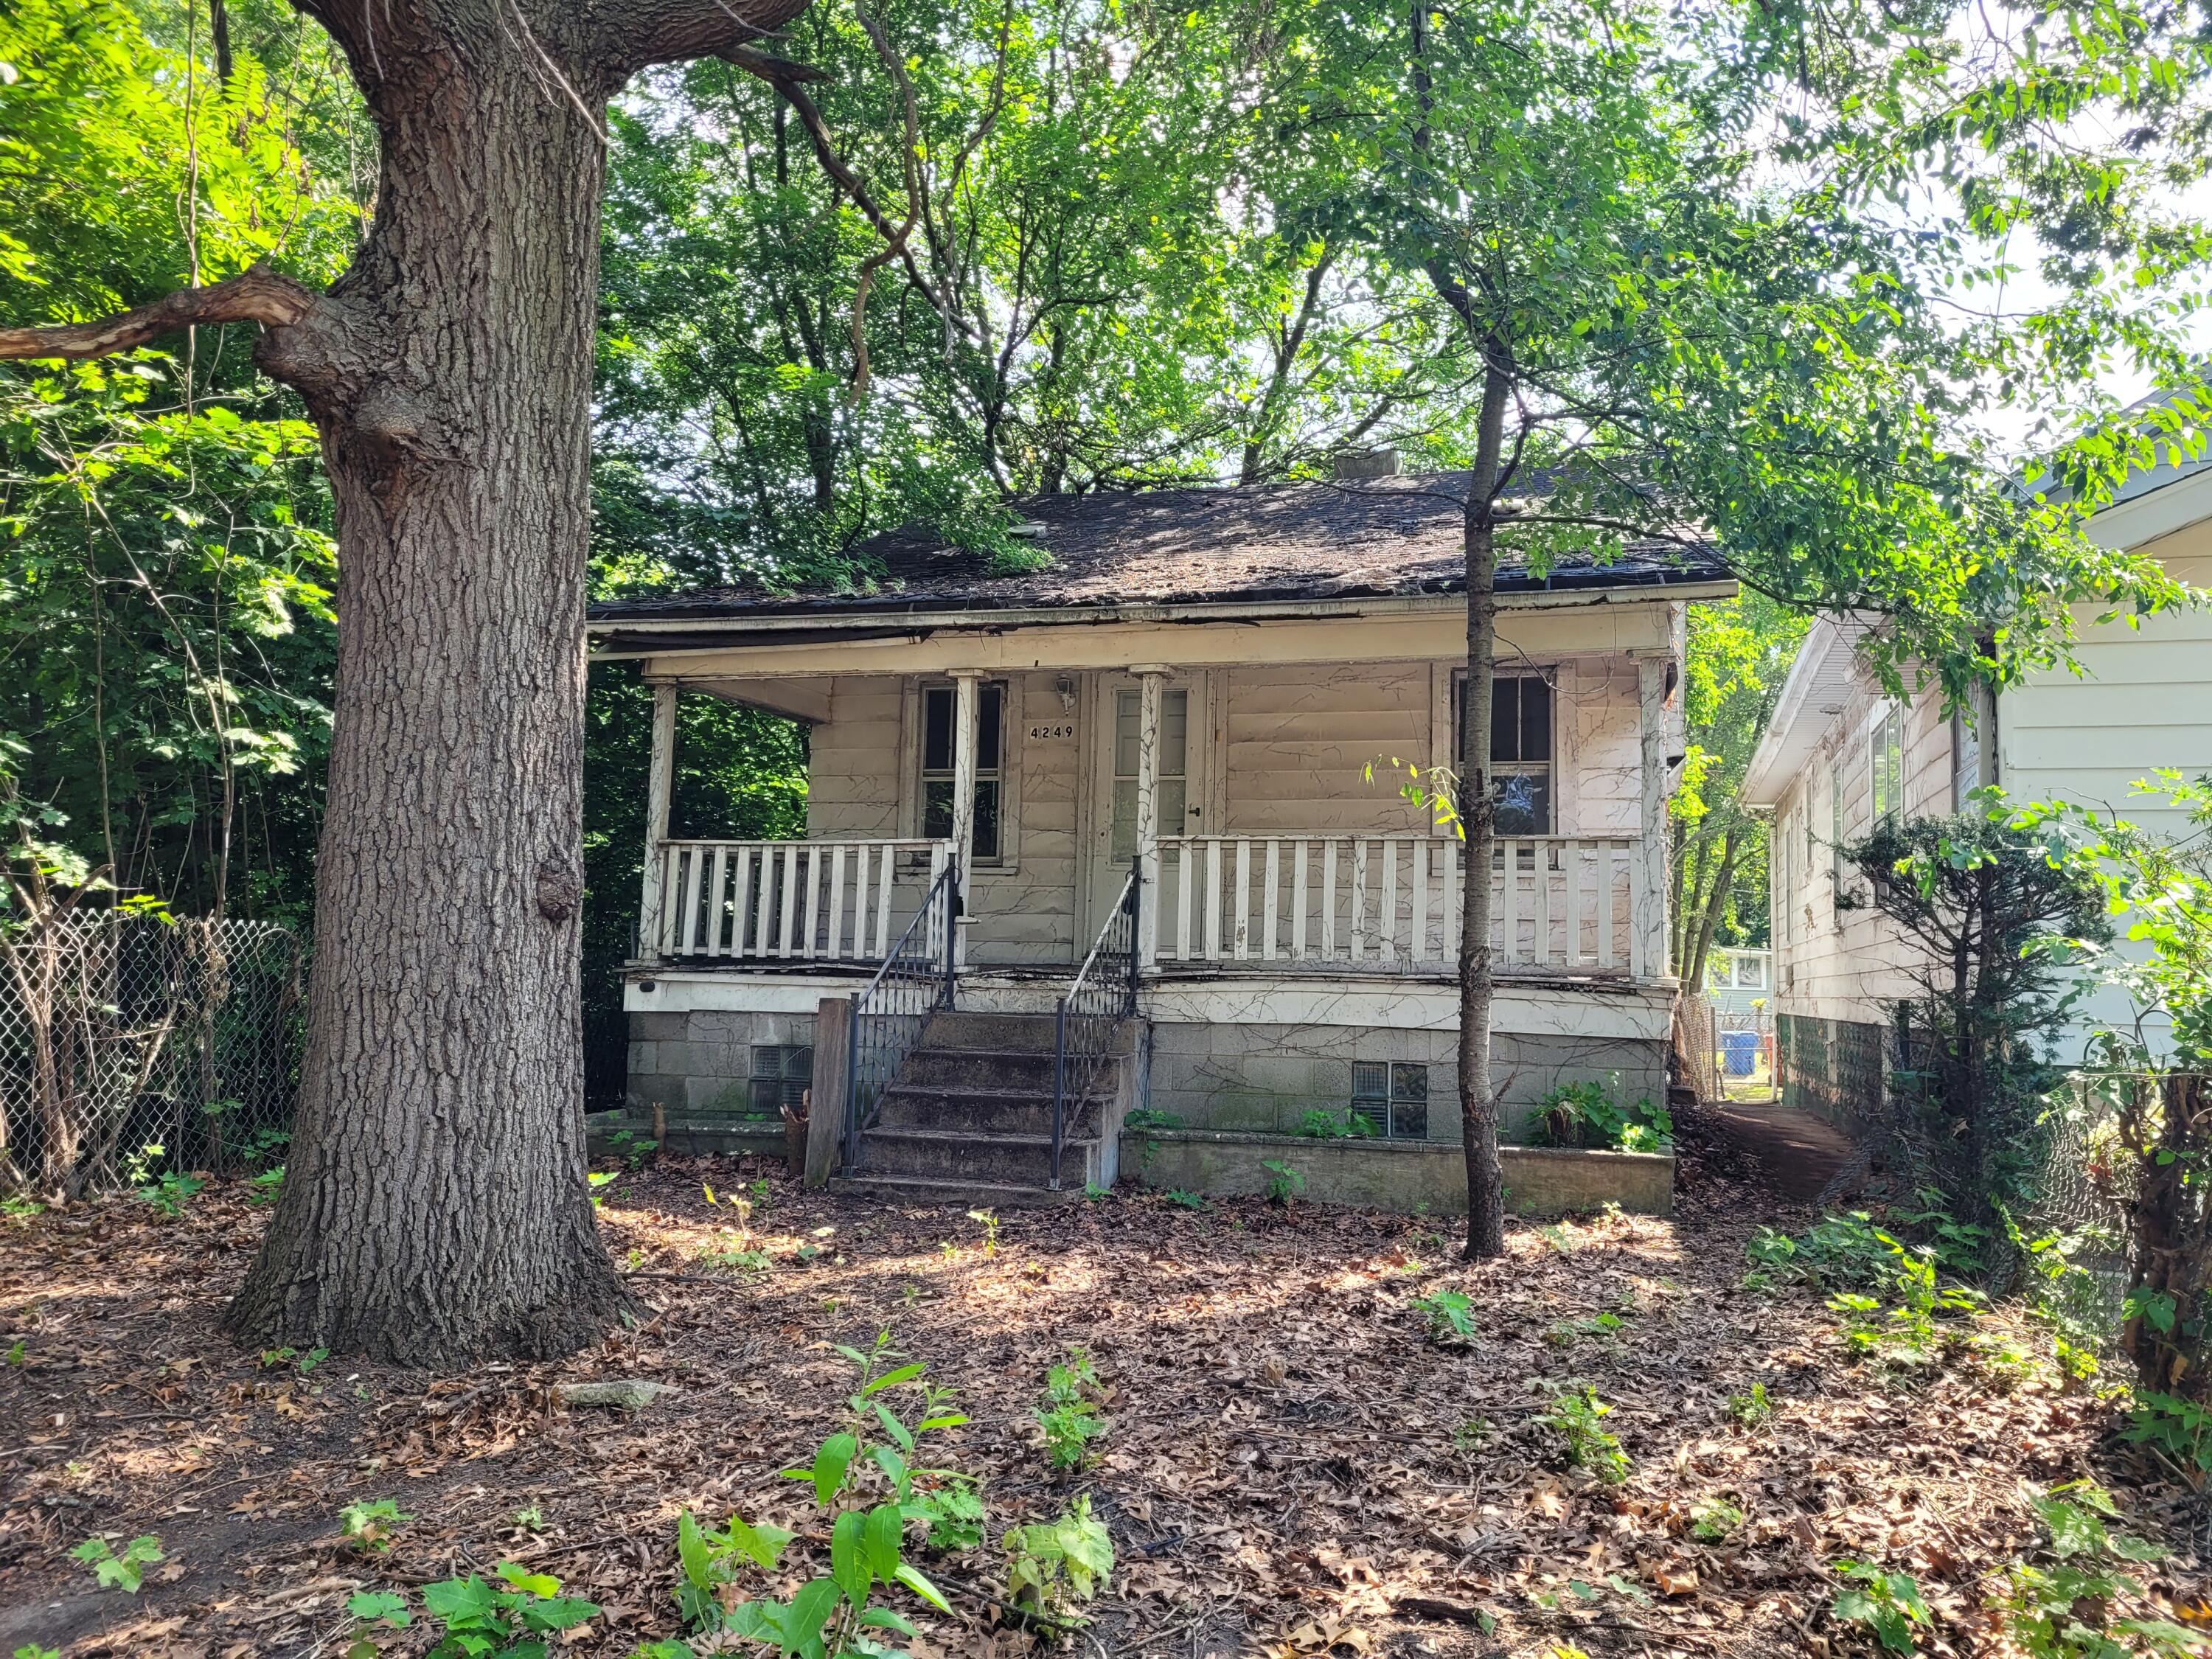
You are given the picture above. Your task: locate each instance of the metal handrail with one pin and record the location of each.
(890, 1016)
(1102, 995)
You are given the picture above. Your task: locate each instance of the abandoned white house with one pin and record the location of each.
(1152, 783)
(1841, 754)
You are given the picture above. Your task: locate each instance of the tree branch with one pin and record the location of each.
(635, 34)
(256, 295)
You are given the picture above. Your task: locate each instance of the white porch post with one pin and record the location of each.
(1647, 932)
(660, 778)
(966, 701)
(1152, 698)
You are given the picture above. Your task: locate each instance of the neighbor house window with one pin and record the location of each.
(1519, 752)
(781, 1073)
(939, 705)
(1393, 1097)
(1886, 763)
(1835, 836)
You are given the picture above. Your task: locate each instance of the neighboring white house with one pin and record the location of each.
(1192, 689)
(1840, 753)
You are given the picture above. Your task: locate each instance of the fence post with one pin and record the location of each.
(832, 1088)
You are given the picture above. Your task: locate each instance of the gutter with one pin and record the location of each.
(921, 623)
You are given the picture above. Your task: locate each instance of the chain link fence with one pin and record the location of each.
(122, 1033)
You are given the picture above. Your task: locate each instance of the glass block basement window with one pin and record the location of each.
(1392, 1096)
(781, 1073)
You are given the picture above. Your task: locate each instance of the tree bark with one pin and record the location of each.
(434, 1208)
(1478, 1096)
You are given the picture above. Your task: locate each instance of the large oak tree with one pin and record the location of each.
(434, 1207)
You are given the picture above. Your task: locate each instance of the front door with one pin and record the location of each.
(1112, 837)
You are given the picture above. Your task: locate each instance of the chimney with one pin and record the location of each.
(1366, 463)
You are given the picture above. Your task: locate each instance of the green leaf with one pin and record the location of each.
(921, 1587)
(379, 1604)
(893, 1427)
(460, 1598)
(834, 1457)
(692, 1554)
(529, 1582)
(762, 1545)
(848, 1564)
(810, 1610)
(885, 1533)
(892, 1379)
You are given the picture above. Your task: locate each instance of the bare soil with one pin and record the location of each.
(1293, 1467)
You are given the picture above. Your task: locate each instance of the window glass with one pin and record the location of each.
(781, 1075)
(1886, 764)
(1392, 1097)
(1836, 832)
(1520, 751)
(1175, 764)
(938, 703)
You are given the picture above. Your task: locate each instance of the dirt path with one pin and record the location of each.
(1794, 1152)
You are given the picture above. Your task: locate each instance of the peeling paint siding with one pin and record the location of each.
(1298, 740)
(853, 757)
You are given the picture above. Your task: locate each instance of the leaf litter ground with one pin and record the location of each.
(1293, 1466)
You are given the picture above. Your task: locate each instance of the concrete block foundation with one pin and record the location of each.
(1403, 1176)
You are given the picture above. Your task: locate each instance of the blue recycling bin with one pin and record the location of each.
(1739, 1052)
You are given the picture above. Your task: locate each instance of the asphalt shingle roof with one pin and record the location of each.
(1195, 545)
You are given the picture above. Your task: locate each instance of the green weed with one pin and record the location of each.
(123, 1570)
(1888, 1604)
(1578, 1417)
(368, 1527)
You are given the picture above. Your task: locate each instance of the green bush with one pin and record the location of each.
(1584, 1114)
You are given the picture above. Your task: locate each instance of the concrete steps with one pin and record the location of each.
(969, 1119)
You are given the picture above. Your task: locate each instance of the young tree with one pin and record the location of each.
(1671, 348)
(434, 1207)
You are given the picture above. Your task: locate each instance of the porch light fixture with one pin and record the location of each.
(1066, 686)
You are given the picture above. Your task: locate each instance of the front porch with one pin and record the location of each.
(1331, 906)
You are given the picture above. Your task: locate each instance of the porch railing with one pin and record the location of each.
(1558, 904)
(792, 900)
(890, 1016)
(1102, 996)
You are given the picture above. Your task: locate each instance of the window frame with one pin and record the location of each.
(1835, 836)
(1548, 769)
(1000, 778)
(784, 1075)
(1414, 1102)
(1886, 764)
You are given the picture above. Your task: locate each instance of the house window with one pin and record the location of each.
(1520, 751)
(1785, 882)
(1174, 781)
(1973, 745)
(1886, 764)
(938, 704)
(781, 1073)
(1836, 837)
(1393, 1097)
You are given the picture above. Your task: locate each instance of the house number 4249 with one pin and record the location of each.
(1064, 729)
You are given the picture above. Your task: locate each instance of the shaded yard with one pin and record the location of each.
(1291, 1462)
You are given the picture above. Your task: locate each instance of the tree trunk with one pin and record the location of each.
(434, 1207)
(1478, 1097)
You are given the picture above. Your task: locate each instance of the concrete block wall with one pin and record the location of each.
(1253, 1078)
(701, 1060)
(1406, 1177)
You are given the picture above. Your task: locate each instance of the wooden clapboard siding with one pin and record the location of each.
(1850, 964)
(1297, 741)
(2147, 702)
(1601, 775)
(853, 762)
